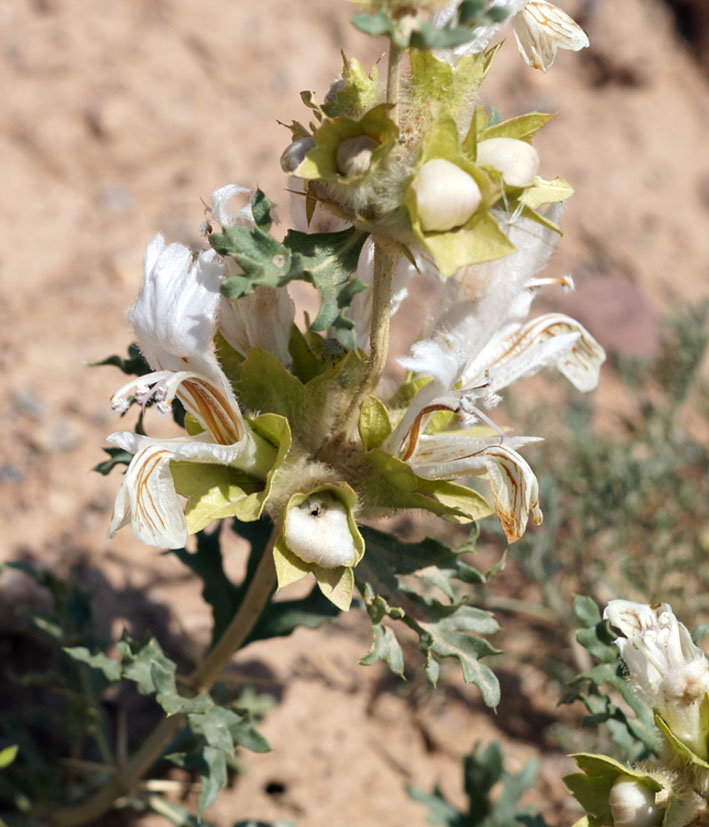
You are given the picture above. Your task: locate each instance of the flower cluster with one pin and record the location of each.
(286, 422)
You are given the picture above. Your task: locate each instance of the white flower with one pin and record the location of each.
(542, 28)
(668, 670)
(475, 347)
(224, 211)
(174, 319)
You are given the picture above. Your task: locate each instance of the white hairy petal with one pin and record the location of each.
(174, 315)
(261, 319)
(517, 161)
(224, 211)
(551, 339)
(542, 28)
(446, 196)
(666, 667)
(318, 531)
(632, 804)
(148, 500)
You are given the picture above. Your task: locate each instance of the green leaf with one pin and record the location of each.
(117, 456)
(385, 647)
(213, 775)
(546, 192)
(523, 127)
(587, 611)
(444, 630)
(8, 755)
(441, 811)
(217, 590)
(327, 260)
(281, 618)
(372, 24)
(110, 667)
(138, 663)
(134, 365)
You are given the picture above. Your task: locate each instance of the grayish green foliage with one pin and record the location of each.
(482, 771)
(325, 260)
(399, 581)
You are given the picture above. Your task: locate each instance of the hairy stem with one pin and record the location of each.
(202, 679)
(381, 288)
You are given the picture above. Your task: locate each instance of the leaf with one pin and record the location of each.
(444, 630)
(327, 260)
(213, 776)
(441, 811)
(546, 192)
(110, 667)
(385, 647)
(217, 590)
(281, 618)
(117, 456)
(138, 662)
(523, 127)
(8, 755)
(372, 24)
(134, 365)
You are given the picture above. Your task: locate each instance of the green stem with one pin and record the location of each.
(202, 679)
(381, 288)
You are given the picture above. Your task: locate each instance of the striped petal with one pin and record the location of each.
(542, 28)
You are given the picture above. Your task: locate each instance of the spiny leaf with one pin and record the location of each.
(117, 456)
(134, 365)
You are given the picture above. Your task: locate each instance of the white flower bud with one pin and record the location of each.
(446, 196)
(632, 804)
(666, 667)
(518, 161)
(318, 531)
(294, 154)
(354, 155)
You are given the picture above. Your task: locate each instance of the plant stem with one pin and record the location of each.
(202, 679)
(381, 287)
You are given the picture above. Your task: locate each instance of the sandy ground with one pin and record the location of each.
(116, 117)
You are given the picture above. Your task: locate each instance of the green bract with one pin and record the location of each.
(591, 788)
(355, 93)
(321, 162)
(479, 238)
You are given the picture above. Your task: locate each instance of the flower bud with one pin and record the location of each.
(318, 531)
(632, 804)
(446, 196)
(518, 161)
(354, 155)
(294, 154)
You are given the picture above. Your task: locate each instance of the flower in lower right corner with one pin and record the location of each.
(666, 667)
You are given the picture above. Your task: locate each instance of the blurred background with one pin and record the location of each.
(116, 118)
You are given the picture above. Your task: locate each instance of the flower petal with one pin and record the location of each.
(147, 498)
(262, 319)
(542, 28)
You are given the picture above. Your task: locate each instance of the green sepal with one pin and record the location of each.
(360, 92)
(433, 79)
(679, 746)
(479, 239)
(523, 127)
(393, 484)
(374, 425)
(337, 584)
(214, 492)
(542, 192)
(320, 163)
(591, 787)
(262, 382)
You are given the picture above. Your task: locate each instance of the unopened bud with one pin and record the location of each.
(318, 531)
(294, 155)
(354, 155)
(446, 196)
(632, 804)
(518, 161)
